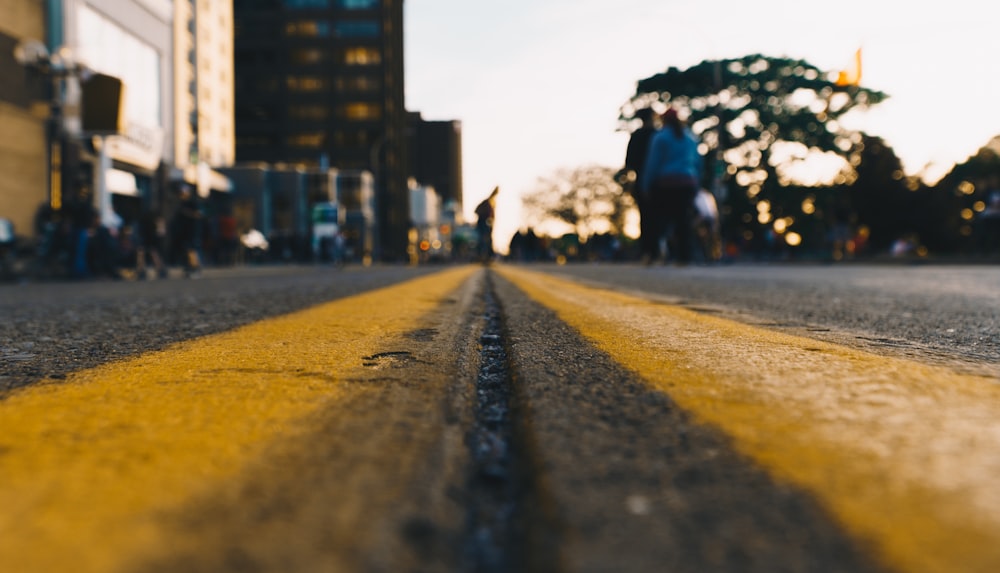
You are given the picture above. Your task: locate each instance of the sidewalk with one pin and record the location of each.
(22, 275)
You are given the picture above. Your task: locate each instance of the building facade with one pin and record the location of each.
(319, 84)
(173, 60)
(131, 40)
(435, 156)
(24, 113)
(76, 42)
(204, 98)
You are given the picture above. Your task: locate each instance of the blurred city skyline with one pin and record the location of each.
(538, 84)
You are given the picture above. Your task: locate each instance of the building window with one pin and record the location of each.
(356, 29)
(309, 112)
(362, 56)
(306, 83)
(253, 141)
(361, 111)
(357, 4)
(255, 113)
(313, 140)
(358, 84)
(265, 85)
(357, 138)
(307, 57)
(308, 29)
(306, 4)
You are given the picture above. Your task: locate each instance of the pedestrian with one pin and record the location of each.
(229, 239)
(706, 226)
(189, 227)
(8, 248)
(101, 249)
(81, 217)
(55, 241)
(152, 238)
(532, 246)
(670, 182)
(630, 175)
(339, 248)
(484, 226)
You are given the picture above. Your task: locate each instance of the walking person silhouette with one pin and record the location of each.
(485, 212)
(631, 175)
(669, 184)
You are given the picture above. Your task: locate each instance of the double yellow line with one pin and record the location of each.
(88, 466)
(905, 455)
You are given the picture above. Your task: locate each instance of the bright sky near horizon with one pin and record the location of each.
(537, 84)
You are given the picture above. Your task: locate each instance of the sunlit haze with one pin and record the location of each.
(537, 84)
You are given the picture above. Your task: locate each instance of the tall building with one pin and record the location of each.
(435, 156)
(204, 95)
(24, 166)
(319, 83)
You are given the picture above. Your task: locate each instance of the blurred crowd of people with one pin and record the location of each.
(678, 218)
(74, 242)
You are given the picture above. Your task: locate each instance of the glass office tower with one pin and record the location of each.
(319, 84)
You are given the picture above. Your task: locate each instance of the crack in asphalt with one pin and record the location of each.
(501, 524)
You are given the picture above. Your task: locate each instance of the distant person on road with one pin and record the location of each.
(229, 240)
(101, 249)
(631, 174)
(706, 226)
(152, 238)
(81, 218)
(189, 226)
(669, 184)
(484, 226)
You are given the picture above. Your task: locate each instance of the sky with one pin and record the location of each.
(537, 84)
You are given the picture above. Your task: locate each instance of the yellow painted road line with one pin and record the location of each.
(906, 455)
(86, 466)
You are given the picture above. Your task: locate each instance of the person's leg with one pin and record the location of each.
(682, 218)
(656, 225)
(81, 254)
(645, 227)
(140, 262)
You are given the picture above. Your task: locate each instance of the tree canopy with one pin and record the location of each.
(586, 199)
(787, 169)
(764, 114)
(765, 124)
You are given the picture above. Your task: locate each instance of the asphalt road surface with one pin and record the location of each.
(945, 313)
(539, 418)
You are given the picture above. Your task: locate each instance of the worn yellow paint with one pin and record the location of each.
(905, 455)
(87, 466)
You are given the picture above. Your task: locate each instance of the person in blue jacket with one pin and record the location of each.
(669, 185)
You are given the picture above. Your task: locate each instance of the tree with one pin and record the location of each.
(941, 217)
(586, 199)
(882, 197)
(765, 123)
(951, 220)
